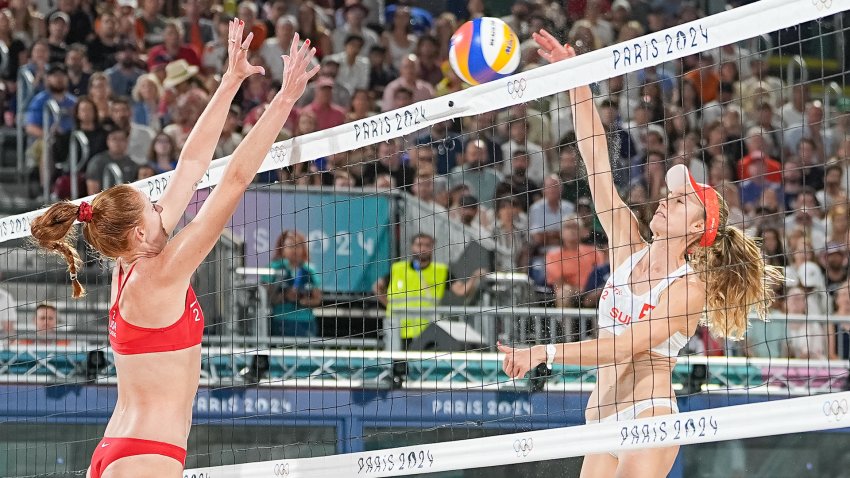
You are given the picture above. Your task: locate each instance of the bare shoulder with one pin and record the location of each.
(691, 288)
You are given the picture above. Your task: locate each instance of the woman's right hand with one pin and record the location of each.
(295, 70)
(550, 49)
(237, 52)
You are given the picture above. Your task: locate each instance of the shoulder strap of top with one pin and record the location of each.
(655, 293)
(122, 281)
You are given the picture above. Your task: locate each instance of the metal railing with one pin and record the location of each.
(112, 175)
(800, 63)
(26, 81)
(832, 93)
(51, 111)
(79, 149)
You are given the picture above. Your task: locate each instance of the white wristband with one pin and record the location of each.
(550, 355)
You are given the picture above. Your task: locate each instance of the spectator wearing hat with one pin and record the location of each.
(150, 24)
(199, 31)
(355, 15)
(409, 78)
(172, 48)
(328, 114)
(124, 74)
(835, 262)
(353, 73)
(56, 88)
(57, 31)
(102, 49)
(759, 87)
(80, 28)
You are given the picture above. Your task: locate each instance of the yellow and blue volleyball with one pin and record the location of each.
(484, 49)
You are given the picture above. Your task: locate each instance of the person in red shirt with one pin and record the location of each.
(568, 268)
(758, 161)
(248, 13)
(172, 48)
(328, 114)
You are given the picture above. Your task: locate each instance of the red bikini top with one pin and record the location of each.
(129, 339)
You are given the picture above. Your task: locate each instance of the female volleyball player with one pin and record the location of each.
(696, 266)
(155, 323)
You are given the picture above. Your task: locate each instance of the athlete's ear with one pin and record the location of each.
(139, 234)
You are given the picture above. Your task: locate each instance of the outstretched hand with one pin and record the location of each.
(518, 362)
(550, 49)
(295, 69)
(237, 52)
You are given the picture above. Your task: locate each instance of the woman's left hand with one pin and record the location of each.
(237, 52)
(519, 361)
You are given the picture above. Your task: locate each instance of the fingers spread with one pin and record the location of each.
(293, 47)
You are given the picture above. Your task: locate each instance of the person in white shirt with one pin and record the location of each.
(355, 14)
(793, 111)
(274, 47)
(353, 73)
(546, 215)
(519, 141)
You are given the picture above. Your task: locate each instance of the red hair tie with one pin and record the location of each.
(84, 213)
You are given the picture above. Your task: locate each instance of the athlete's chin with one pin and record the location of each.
(658, 223)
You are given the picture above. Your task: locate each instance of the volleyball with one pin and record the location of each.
(484, 49)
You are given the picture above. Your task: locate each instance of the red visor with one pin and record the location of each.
(679, 176)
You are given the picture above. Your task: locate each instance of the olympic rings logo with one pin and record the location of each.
(835, 409)
(523, 446)
(278, 155)
(516, 88)
(281, 469)
(822, 4)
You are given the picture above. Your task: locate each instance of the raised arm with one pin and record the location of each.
(197, 153)
(617, 219)
(186, 251)
(671, 315)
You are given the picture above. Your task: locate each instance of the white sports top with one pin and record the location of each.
(618, 306)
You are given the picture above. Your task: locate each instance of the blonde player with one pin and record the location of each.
(155, 323)
(696, 268)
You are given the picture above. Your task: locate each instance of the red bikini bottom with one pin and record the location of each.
(112, 449)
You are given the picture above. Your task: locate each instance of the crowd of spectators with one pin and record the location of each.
(134, 76)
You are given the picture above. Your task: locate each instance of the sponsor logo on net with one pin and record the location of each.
(517, 87)
(523, 446)
(281, 469)
(836, 409)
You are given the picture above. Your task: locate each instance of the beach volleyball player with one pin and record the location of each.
(155, 323)
(697, 268)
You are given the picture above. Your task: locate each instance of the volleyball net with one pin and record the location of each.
(372, 379)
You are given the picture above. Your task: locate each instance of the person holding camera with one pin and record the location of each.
(295, 288)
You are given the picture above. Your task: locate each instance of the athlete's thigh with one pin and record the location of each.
(603, 465)
(651, 462)
(144, 466)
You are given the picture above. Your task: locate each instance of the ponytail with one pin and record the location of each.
(53, 231)
(736, 278)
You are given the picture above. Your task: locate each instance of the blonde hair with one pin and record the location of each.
(736, 278)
